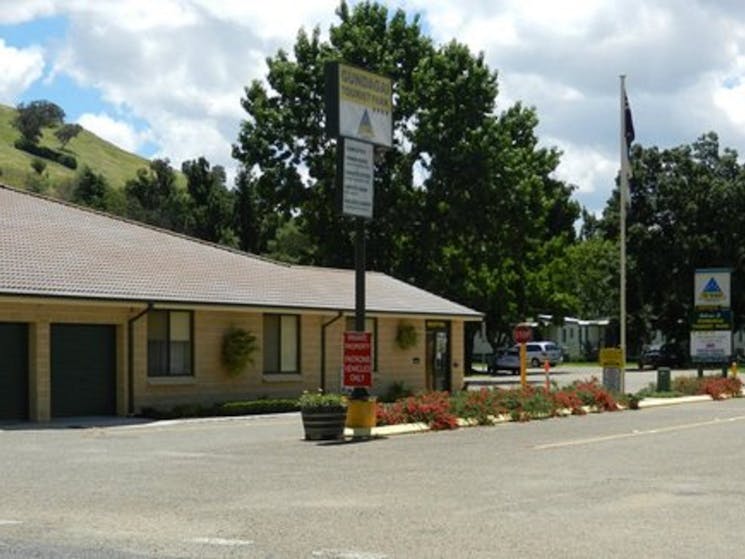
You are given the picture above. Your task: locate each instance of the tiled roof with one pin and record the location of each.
(50, 248)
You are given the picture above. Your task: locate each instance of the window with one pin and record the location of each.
(281, 343)
(371, 325)
(169, 347)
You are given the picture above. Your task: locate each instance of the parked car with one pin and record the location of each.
(505, 360)
(539, 352)
(664, 355)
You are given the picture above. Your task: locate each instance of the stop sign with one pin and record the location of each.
(522, 333)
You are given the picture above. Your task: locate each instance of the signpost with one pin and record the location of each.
(359, 109)
(711, 327)
(522, 334)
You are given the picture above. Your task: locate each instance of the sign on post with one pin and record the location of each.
(357, 360)
(357, 178)
(711, 328)
(359, 104)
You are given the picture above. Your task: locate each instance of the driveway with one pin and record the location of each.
(662, 482)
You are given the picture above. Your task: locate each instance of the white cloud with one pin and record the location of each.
(115, 131)
(19, 12)
(181, 66)
(19, 68)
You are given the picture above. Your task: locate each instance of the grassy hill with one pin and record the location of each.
(104, 158)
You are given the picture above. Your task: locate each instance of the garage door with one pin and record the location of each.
(13, 371)
(83, 370)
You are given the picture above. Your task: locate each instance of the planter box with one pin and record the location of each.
(325, 423)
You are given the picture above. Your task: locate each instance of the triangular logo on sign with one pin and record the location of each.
(712, 291)
(365, 129)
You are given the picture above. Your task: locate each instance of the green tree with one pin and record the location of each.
(153, 197)
(32, 117)
(67, 132)
(687, 211)
(464, 202)
(91, 189)
(212, 203)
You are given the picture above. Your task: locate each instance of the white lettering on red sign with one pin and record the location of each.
(357, 359)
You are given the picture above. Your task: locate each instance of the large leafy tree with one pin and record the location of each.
(32, 117)
(464, 202)
(687, 211)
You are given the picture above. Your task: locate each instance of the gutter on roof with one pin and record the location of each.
(130, 357)
(323, 347)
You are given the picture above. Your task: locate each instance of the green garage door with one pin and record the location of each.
(83, 370)
(13, 371)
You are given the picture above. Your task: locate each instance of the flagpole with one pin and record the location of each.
(623, 190)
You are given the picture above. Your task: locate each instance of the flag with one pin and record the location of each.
(628, 123)
(627, 137)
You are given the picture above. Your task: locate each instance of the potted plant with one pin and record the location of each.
(324, 415)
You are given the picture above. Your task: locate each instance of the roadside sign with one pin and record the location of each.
(359, 104)
(612, 361)
(357, 360)
(522, 333)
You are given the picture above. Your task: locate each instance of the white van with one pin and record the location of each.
(539, 352)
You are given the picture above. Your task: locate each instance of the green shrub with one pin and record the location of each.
(42, 151)
(254, 407)
(321, 399)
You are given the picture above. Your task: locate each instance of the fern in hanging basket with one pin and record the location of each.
(238, 347)
(406, 335)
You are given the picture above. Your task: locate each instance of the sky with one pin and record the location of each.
(164, 78)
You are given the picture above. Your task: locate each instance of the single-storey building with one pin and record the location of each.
(103, 316)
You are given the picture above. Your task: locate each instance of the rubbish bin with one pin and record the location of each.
(663, 379)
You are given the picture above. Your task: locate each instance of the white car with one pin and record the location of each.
(539, 352)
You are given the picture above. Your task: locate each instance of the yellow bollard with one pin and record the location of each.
(733, 369)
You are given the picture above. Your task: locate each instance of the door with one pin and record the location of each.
(439, 375)
(83, 370)
(13, 371)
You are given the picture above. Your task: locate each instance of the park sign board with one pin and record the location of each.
(711, 327)
(359, 104)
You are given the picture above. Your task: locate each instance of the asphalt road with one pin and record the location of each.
(663, 482)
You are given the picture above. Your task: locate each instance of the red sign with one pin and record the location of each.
(522, 333)
(358, 359)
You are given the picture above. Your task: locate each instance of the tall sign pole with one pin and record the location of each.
(359, 110)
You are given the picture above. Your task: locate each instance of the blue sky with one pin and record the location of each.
(164, 78)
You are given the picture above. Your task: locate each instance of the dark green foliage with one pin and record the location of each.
(248, 407)
(212, 204)
(153, 197)
(34, 116)
(687, 211)
(253, 407)
(47, 153)
(92, 190)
